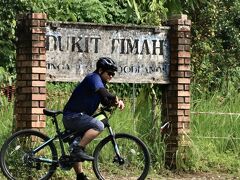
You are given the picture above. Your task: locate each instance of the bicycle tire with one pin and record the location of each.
(131, 148)
(17, 163)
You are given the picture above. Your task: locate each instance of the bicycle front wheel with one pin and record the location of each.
(133, 163)
(18, 160)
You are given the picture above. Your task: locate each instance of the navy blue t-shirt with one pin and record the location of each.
(84, 97)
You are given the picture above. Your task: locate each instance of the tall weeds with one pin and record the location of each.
(216, 137)
(6, 118)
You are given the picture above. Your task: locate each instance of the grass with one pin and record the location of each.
(6, 118)
(214, 139)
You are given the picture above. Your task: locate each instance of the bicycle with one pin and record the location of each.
(30, 154)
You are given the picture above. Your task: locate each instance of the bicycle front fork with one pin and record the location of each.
(118, 157)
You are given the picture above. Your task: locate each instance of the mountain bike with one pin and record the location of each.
(30, 154)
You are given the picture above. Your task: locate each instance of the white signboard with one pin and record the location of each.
(141, 53)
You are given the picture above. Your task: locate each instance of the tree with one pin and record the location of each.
(215, 28)
(105, 11)
(216, 43)
(9, 8)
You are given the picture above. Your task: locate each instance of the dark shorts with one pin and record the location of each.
(82, 122)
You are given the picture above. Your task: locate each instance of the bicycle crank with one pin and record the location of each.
(66, 162)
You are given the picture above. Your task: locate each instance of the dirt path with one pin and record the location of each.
(187, 176)
(170, 176)
(196, 176)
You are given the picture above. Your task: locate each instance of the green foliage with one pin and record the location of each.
(106, 11)
(215, 29)
(118, 12)
(147, 117)
(6, 115)
(72, 10)
(216, 43)
(155, 12)
(179, 6)
(6, 78)
(215, 138)
(96, 11)
(9, 8)
(150, 12)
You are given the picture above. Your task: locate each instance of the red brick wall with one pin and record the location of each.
(31, 71)
(176, 95)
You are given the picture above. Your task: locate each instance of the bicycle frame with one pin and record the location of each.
(60, 137)
(41, 147)
(31, 150)
(112, 135)
(114, 143)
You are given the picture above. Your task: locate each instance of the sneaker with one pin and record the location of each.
(82, 176)
(79, 153)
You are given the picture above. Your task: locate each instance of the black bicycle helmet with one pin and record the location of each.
(106, 63)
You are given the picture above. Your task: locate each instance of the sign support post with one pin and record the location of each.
(31, 71)
(176, 95)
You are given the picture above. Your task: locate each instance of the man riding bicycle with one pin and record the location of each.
(84, 101)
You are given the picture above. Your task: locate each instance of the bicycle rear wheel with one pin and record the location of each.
(18, 160)
(134, 162)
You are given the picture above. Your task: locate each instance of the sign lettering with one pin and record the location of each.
(141, 54)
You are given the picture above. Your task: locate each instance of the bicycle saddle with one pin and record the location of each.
(49, 112)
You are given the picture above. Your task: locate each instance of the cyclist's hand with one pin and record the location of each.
(120, 104)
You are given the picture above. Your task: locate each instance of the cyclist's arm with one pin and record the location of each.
(107, 99)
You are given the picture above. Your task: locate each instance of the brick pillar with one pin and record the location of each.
(31, 71)
(176, 95)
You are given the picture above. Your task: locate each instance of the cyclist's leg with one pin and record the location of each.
(86, 139)
(82, 123)
(91, 128)
(88, 126)
(89, 136)
(78, 167)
